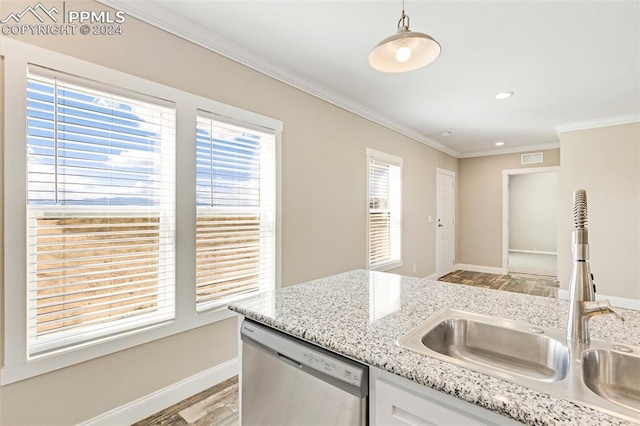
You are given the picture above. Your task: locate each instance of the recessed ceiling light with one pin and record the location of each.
(445, 133)
(499, 143)
(504, 95)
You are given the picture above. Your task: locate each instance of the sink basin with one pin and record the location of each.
(498, 347)
(490, 345)
(613, 375)
(600, 374)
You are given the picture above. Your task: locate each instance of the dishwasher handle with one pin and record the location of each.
(289, 361)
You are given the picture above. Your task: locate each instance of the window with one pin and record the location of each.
(235, 231)
(131, 214)
(384, 211)
(100, 211)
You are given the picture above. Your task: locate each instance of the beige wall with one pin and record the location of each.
(1, 217)
(72, 395)
(533, 212)
(606, 163)
(480, 207)
(323, 210)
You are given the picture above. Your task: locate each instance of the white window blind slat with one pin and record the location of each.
(131, 273)
(127, 299)
(238, 287)
(81, 290)
(242, 283)
(235, 228)
(100, 212)
(99, 329)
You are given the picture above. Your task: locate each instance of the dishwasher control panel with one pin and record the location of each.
(332, 367)
(298, 354)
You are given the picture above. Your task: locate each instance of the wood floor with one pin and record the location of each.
(218, 405)
(536, 285)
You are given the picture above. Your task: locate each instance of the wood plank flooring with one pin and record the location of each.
(218, 405)
(536, 285)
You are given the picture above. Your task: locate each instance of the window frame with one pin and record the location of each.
(17, 57)
(391, 160)
(39, 345)
(266, 207)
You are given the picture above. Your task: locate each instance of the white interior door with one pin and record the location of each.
(445, 226)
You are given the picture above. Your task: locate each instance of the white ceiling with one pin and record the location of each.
(567, 61)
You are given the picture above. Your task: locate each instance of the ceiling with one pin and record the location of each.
(567, 61)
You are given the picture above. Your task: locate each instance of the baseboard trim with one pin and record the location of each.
(533, 252)
(618, 302)
(433, 276)
(156, 401)
(479, 268)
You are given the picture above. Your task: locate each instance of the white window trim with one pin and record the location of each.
(391, 159)
(17, 56)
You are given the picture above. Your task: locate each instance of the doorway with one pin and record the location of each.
(445, 227)
(530, 209)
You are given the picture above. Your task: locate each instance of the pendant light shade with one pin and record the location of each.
(404, 51)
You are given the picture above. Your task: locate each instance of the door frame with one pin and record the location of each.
(505, 206)
(451, 173)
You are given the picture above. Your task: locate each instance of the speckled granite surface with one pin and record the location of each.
(361, 314)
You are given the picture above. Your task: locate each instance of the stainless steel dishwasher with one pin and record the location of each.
(286, 381)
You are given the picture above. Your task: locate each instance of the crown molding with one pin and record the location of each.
(594, 124)
(527, 148)
(153, 14)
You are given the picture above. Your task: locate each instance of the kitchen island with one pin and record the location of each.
(360, 314)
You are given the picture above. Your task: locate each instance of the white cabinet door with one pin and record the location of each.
(394, 404)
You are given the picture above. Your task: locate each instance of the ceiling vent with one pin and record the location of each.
(532, 158)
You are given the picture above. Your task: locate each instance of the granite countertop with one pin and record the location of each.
(361, 314)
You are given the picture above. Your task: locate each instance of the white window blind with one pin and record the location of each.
(100, 211)
(235, 230)
(384, 210)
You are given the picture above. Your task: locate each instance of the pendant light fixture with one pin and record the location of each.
(404, 51)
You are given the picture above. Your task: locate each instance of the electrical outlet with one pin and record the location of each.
(414, 269)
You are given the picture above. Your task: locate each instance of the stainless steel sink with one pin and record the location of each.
(508, 349)
(598, 374)
(490, 345)
(615, 376)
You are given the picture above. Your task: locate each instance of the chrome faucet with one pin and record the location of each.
(582, 298)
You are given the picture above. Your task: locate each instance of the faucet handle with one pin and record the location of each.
(605, 308)
(620, 316)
